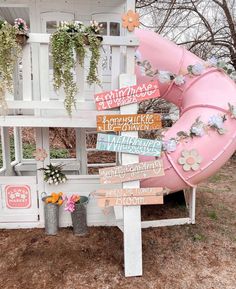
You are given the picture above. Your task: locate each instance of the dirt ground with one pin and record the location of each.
(201, 256)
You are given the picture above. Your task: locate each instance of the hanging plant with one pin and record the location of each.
(10, 50)
(70, 38)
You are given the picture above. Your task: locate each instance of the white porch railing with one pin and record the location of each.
(33, 80)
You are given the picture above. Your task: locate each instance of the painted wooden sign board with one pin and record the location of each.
(18, 196)
(131, 145)
(128, 122)
(127, 95)
(129, 197)
(131, 172)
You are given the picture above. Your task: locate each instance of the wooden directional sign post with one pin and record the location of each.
(126, 144)
(128, 122)
(129, 197)
(127, 95)
(131, 172)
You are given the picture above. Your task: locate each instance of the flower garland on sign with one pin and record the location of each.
(192, 70)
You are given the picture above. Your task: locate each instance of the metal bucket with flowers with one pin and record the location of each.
(77, 206)
(51, 212)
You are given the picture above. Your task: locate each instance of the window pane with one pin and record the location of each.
(28, 142)
(114, 29)
(62, 143)
(51, 26)
(103, 30)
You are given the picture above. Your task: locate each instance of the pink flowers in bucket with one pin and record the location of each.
(70, 202)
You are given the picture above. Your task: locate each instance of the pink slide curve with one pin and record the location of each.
(204, 96)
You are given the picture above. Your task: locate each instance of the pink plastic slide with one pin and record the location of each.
(205, 97)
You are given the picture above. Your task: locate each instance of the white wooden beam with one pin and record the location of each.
(6, 153)
(131, 214)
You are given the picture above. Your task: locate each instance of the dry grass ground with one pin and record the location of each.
(201, 256)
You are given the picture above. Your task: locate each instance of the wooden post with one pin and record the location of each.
(131, 214)
(42, 141)
(6, 153)
(81, 153)
(192, 205)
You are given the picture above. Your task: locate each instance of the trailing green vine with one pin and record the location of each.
(10, 50)
(70, 38)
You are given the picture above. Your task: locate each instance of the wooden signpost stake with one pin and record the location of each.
(128, 122)
(127, 95)
(131, 172)
(126, 144)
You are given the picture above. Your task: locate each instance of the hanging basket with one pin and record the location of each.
(79, 217)
(86, 40)
(21, 39)
(51, 217)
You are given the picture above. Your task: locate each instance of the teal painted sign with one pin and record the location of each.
(131, 145)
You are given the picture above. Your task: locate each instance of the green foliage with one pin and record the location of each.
(59, 153)
(199, 237)
(9, 52)
(70, 38)
(212, 215)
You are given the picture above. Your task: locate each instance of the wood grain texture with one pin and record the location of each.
(129, 201)
(127, 95)
(128, 122)
(131, 172)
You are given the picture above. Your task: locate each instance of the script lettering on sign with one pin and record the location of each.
(18, 196)
(128, 122)
(125, 144)
(132, 172)
(129, 197)
(127, 95)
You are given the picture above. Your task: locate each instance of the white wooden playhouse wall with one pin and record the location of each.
(32, 215)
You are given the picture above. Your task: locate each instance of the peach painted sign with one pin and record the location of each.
(132, 172)
(18, 196)
(129, 197)
(127, 95)
(128, 122)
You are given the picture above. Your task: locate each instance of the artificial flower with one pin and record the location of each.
(130, 20)
(170, 145)
(216, 121)
(179, 80)
(164, 77)
(190, 160)
(212, 62)
(197, 69)
(40, 154)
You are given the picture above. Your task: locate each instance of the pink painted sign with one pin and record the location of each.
(127, 95)
(18, 196)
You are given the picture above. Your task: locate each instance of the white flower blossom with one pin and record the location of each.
(179, 80)
(197, 69)
(212, 61)
(138, 55)
(164, 77)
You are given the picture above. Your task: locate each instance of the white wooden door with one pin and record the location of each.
(49, 23)
(18, 200)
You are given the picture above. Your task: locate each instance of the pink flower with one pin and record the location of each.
(40, 154)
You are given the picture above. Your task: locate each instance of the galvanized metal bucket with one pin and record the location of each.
(51, 217)
(79, 217)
